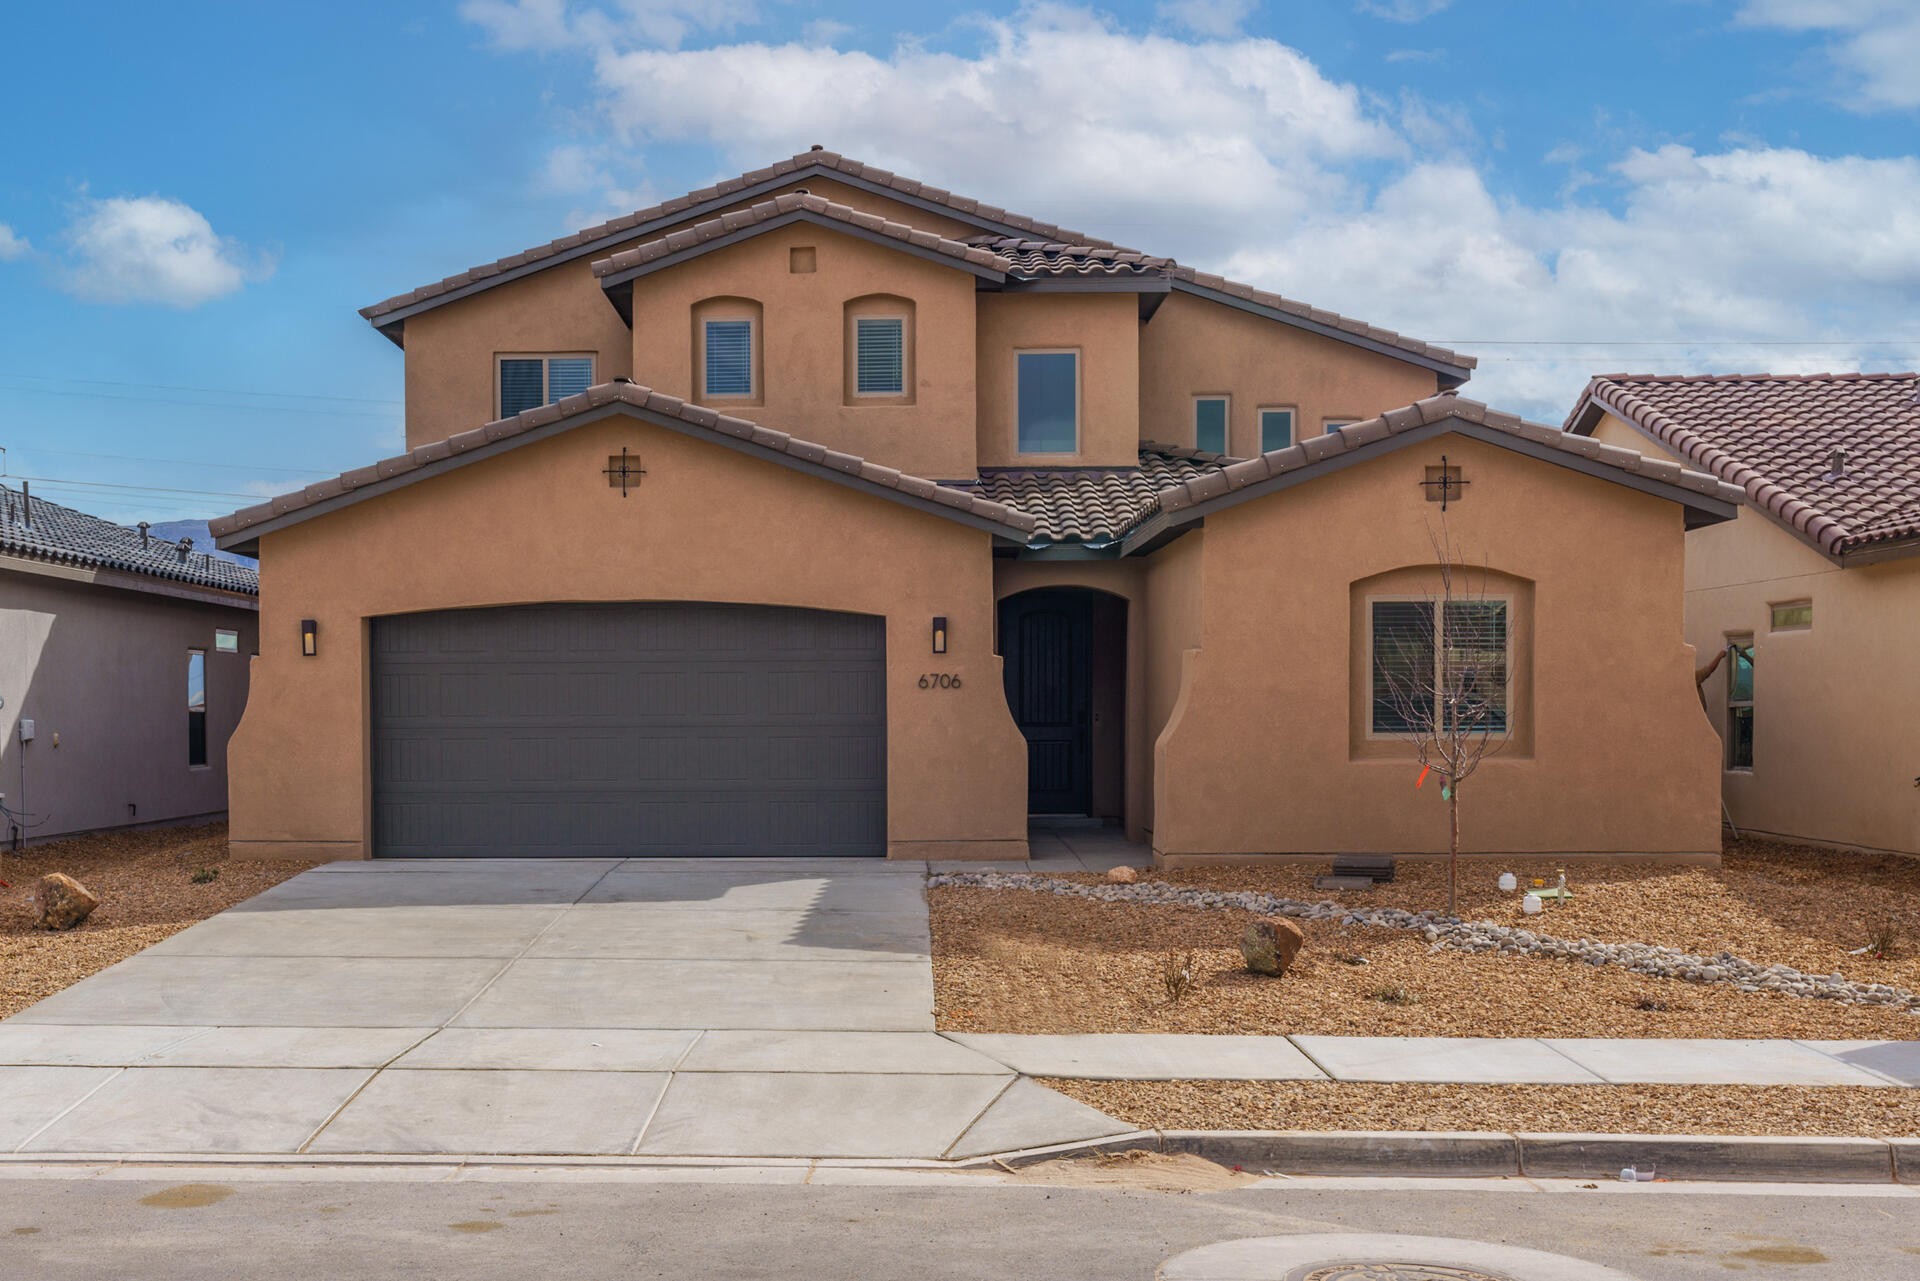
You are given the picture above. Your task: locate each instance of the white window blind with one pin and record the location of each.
(568, 376)
(729, 358)
(879, 355)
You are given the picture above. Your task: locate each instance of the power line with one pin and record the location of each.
(213, 391)
(139, 489)
(183, 462)
(198, 404)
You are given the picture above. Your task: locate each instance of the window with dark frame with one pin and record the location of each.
(1739, 702)
(528, 382)
(1473, 644)
(196, 707)
(1210, 424)
(1048, 396)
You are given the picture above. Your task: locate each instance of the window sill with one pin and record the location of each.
(198, 769)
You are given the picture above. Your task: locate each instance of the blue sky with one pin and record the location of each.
(187, 228)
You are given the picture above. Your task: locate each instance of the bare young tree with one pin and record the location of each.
(1440, 677)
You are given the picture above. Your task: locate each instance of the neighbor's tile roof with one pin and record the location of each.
(741, 219)
(1358, 436)
(774, 442)
(806, 160)
(40, 530)
(1095, 505)
(1771, 435)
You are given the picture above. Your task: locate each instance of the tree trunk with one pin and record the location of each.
(1453, 847)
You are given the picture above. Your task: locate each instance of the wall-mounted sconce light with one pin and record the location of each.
(309, 637)
(939, 635)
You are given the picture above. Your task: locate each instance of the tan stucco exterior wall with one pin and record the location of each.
(1125, 580)
(1836, 720)
(1621, 760)
(1105, 330)
(803, 344)
(1173, 638)
(1194, 347)
(739, 529)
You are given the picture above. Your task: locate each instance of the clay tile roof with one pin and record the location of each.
(715, 228)
(806, 161)
(40, 530)
(1771, 435)
(426, 456)
(1095, 505)
(1355, 437)
(1039, 258)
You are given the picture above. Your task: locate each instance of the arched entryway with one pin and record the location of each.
(1065, 662)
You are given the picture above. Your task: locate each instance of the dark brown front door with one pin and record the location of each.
(1044, 640)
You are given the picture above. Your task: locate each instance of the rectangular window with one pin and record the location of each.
(729, 358)
(528, 382)
(1049, 402)
(1276, 429)
(226, 642)
(1210, 424)
(1740, 702)
(880, 356)
(1794, 616)
(1335, 424)
(1419, 676)
(196, 707)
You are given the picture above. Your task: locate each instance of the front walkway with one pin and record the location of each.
(658, 1008)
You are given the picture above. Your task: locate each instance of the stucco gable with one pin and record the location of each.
(242, 530)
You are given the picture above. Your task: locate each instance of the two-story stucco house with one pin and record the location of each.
(826, 512)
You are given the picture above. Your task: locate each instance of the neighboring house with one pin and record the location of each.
(123, 670)
(1812, 595)
(821, 512)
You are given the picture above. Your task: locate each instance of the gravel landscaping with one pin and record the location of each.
(145, 883)
(1893, 1112)
(1021, 960)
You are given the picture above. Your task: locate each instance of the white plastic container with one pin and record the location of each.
(1508, 882)
(1530, 904)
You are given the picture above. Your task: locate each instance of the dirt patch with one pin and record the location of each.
(1018, 961)
(145, 881)
(1137, 1168)
(1597, 1109)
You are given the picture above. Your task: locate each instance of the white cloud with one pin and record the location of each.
(156, 250)
(1874, 43)
(12, 244)
(1220, 18)
(1402, 10)
(1240, 156)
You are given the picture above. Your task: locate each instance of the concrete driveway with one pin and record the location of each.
(636, 1007)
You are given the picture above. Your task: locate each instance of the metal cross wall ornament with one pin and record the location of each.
(1448, 485)
(623, 471)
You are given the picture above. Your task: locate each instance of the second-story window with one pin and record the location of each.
(1210, 424)
(527, 382)
(880, 355)
(729, 358)
(1049, 402)
(1276, 429)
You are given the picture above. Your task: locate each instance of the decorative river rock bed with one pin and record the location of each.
(1456, 935)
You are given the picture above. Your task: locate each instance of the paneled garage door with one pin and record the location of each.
(628, 731)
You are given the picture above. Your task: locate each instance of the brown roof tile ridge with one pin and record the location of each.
(1187, 452)
(1855, 376)
(596, 397)
(781, 205)
(825, 159)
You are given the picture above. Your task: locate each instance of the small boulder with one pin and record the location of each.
(64, 902)
(1270, 944)
(1122, 875)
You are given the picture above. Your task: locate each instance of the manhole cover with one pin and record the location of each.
(1364, 1271)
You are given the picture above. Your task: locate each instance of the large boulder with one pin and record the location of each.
(64, 902)
(1270, 944)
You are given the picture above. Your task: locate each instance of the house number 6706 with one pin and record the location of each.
(939, 680)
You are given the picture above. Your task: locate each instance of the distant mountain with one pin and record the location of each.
(173, 531)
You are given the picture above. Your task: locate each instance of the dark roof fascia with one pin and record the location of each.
(1071, 551)
(1593, 406)
(247, 541)
(1088, 285)
(1701, 509)
(1450, 375)
(391, 323)
(1156, 531)
(121, 580)
(612, 279)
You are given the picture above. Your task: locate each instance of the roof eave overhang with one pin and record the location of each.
(1087, 285)
(1701, 509)
(1451, 375)
(247, 541)
(392, 323)
(76, 571)
(1877, 553)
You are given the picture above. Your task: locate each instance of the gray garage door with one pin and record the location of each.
(629, 731)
